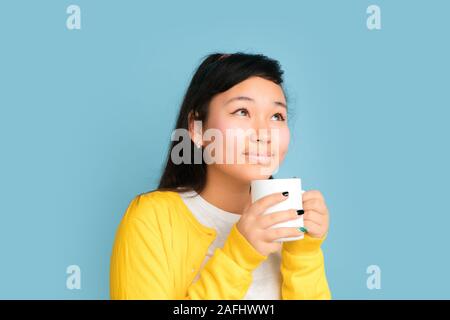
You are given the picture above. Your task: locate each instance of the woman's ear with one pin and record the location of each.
(195, 129)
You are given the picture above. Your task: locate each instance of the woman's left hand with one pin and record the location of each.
(315, 218)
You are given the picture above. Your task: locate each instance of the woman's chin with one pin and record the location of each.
(251, 172)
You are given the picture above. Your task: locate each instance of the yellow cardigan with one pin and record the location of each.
(160, 246)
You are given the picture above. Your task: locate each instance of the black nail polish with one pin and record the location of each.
(300, 212)
(286, 193)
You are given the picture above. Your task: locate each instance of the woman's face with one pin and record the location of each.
(251, 119)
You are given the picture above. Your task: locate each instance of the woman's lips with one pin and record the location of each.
(258, 158)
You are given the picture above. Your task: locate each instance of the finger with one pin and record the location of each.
(314, 229)
(283, 232)
(315, 204)
(315, 216)
(261, 205)
(270, 219)
(312, 194)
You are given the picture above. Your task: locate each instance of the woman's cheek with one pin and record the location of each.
(232, 139)
(283, 142)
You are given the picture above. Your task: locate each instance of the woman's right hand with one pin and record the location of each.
(254, 225)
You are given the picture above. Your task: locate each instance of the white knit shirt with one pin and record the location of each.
(266, 277)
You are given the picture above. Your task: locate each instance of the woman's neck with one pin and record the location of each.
(225, 192)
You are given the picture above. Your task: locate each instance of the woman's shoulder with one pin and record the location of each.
(158, 196)
(152, 205)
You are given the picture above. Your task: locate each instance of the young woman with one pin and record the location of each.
(198, 236)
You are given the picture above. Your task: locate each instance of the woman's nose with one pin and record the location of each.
(260, 135)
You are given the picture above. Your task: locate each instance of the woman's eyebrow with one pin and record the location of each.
(281, 104)
(244, 98)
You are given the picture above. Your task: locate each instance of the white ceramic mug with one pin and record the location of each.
(261, 188)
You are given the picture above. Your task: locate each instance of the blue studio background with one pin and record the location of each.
(86, 117)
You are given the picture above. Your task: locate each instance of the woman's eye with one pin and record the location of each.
(241, 112)
(280, 116)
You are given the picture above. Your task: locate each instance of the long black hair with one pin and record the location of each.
(217, 73)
